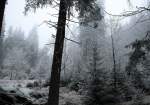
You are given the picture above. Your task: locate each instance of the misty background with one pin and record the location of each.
(106, 55)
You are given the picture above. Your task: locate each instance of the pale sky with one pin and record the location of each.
(116, 7)
(14, 17)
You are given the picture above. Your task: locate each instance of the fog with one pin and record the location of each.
(94, 52)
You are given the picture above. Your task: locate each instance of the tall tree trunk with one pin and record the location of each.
(114, 63)
(53, 98)
(2, 8)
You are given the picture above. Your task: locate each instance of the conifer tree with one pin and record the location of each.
(84, 7)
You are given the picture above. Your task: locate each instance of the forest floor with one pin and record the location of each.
(144, 101)
(39, 95)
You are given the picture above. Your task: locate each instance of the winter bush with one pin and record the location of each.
(29, 85)
(74, 86)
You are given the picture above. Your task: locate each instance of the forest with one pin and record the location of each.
(97, 52)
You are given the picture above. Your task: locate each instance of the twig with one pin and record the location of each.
(68, 39)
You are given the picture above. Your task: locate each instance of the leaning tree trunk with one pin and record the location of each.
(53, 98)
(2, 8)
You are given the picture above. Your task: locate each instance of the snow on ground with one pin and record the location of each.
(67, 96)
(145, 100)
(15, 83)
(40, 95)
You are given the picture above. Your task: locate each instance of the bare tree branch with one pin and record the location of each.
(129, 13)
(68, 40)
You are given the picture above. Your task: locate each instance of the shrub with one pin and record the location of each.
(19, 85)
(36, 95)
(29, 85)
(64, 83)
(46, 83)
(36, 84)
(74, 86)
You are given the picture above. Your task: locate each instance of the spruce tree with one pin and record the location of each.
(85, 7)
(97, 83)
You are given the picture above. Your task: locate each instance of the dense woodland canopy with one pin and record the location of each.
(106, 62)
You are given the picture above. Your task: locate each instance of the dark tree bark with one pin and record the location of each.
(53, 98)
(114, 63)
(2, 9)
